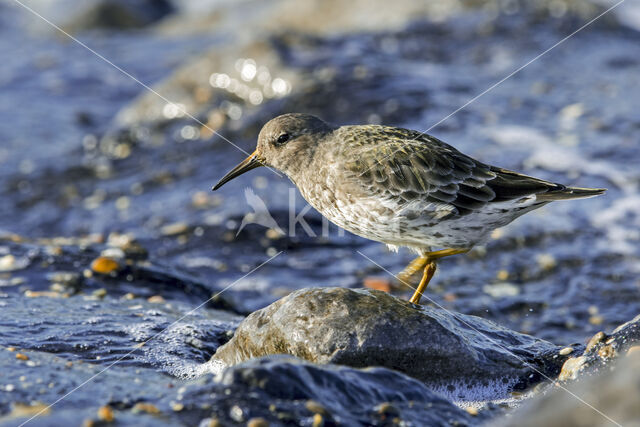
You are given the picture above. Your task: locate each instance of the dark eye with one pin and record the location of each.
(282, 138)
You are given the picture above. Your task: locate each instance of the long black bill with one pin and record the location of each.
(251, 162)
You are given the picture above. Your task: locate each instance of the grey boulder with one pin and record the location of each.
(455, 353)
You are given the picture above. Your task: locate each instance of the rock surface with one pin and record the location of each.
(606, 399)
(279, 390)
(286, 390)
(596, 385)
(371, 328)
(601, 350)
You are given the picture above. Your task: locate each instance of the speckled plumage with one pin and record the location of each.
(399, 186)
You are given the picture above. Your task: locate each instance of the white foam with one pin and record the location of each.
(549, 155)
(621, 224)
(473, 393)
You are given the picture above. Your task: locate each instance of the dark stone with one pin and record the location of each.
(279, 389)
(363, 328)
(118, 14)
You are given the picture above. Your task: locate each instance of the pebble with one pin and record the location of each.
(149, 408)
(104, 265)
(318, 421)
(565, 351)
(156, 299)
(21, 356)
(258, 422)
(134, 250)
(571, 368)
(66, 278)
(273, 234)
(607, 352)
(546, 262)
(20, 410)
(471, 410)
(501, 290)
(596, 320)
(49, 294)
(113, 253)
(236, 413)
(99, 293)
(14, 281)
(502, 275)
(315, 407)
(105, 413)
(204, 200)
(597, 338)
(387, 409)
(174, 229)
(377, 283)
(7, 262)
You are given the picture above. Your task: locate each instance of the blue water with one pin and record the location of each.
(560, 273)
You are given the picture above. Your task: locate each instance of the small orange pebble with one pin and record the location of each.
(378, 284)
(149, 408)
(105, 413)
(21, 356)
(104, 265)
(318, 420)
(258, 422)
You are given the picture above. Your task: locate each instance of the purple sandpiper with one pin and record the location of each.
(399, 186)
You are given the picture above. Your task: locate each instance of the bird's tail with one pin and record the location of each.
(569, 193)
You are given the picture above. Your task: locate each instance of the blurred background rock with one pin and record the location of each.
(105, 185)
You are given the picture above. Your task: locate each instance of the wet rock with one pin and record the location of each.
(144, 333)
(276, 389)
(27, 393)
(279, 389)
(602, 350)
(606, 399)
(363, 328)
(119, 14)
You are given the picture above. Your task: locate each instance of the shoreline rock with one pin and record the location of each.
(597, 396)
(465, 357)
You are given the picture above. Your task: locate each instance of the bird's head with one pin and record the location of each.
(286, 143)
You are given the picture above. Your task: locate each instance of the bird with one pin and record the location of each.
(398, 186)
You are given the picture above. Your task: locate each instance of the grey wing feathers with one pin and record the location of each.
(406, 164)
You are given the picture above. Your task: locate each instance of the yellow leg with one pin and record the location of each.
(428, 262)
(414, 266)
(445, 252)
(429, 271)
